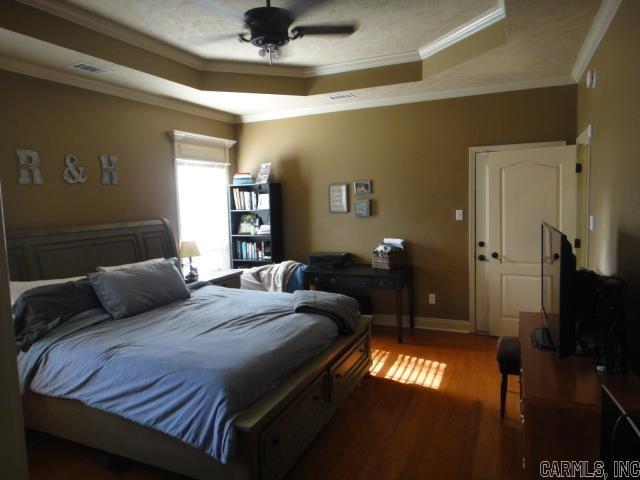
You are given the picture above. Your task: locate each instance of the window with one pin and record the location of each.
(202, 178)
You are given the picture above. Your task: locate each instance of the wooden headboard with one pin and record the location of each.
(76, 251)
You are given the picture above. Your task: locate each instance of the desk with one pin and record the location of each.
(340, 279)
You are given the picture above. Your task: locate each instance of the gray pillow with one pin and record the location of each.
(124, 293)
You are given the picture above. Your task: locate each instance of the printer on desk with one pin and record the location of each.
(329, 259)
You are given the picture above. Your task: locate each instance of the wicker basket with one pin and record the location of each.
(394, 259)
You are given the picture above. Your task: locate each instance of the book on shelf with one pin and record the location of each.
(236, 200)
(242, 178)
(263, 201)
(246, 200)
(253, 251)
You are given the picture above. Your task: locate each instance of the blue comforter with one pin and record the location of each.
(187, 369)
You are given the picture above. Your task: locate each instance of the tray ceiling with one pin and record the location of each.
(542, 41)
(386, 27)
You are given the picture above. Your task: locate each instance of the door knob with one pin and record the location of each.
(481, 243)
(495, 255)
(482, 258)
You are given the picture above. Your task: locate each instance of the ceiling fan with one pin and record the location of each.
(270, 27)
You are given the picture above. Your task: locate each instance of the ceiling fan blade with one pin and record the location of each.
(303, 30)
(299, 7)
(220, 9)
(213, 38)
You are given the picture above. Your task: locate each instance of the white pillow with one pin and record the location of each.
(129, 265)
(18, 288)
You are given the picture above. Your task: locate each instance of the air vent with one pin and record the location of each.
(342, 96)
(86, 67)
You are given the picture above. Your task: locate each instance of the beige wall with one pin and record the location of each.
(56, 120)
(613, 108)
(417, 157)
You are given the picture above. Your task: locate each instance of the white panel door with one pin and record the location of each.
(525, 188)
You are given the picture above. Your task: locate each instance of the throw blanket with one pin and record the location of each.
(341, 309)
(187, 369)
(275, 277)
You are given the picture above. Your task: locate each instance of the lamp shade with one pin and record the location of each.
(189, 249)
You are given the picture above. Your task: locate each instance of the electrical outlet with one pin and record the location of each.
(432, 299)
(459, 215)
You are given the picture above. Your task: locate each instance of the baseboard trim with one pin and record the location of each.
(426, 323)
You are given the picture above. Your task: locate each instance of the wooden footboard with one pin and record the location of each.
(273, 433)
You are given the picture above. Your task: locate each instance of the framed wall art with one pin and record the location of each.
(362, 187)
(362, 208)
(338, 198)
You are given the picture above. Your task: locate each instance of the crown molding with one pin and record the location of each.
(601, 22)
(362, 64)
(250, 68)
(485, 20)
(400, 100)
(52, 75)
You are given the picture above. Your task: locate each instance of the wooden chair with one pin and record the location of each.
(509, 363)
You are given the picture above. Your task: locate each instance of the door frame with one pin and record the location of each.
(585, 139)
(473, 152)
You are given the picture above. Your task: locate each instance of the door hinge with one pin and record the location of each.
(578, 168)
(577, 243)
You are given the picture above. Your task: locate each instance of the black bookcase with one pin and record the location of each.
(250, 248)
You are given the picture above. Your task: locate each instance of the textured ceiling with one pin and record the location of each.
(544, 38)
(385, 26)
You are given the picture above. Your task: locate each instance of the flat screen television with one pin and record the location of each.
(557, 299)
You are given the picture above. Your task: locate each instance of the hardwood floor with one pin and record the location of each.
(429, 410)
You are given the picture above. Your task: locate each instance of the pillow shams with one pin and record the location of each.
(18, 288)
(129, 265)
(43, 308)
(134, 290)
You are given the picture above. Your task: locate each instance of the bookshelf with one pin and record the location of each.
(250, 206)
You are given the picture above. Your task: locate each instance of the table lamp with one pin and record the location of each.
(190, 249)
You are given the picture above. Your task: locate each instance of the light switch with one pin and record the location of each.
(591, 223)
(459, 215)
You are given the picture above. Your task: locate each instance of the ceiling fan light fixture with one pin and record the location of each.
(270, 28)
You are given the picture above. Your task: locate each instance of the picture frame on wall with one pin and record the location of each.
(362, 207)
(362, 187)
(338, 198)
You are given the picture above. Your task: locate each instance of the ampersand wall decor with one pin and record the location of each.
(73, 173)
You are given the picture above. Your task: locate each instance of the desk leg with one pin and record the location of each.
(399, 312)
(412, 307)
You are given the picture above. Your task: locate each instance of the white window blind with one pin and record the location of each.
(202, 179)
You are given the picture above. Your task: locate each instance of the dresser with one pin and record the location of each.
(560, 402)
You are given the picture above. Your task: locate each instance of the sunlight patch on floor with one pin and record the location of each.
(378, 359)
(410, 370)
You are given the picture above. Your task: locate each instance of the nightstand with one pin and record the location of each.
(222, 278)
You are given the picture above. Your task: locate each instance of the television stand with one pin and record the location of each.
(560, 402)
(541, 338)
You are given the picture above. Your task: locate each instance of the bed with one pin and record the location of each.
(270, 434)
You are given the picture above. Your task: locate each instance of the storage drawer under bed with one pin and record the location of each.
(294, 428)
(349, 368)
